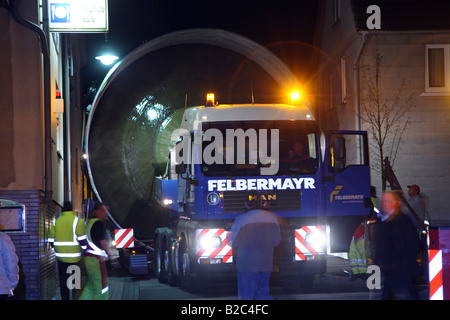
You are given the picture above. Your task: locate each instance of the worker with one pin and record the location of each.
(96, 254)
(395, 246)
(68, 238)
(254, 235)
(357, 255)
(416, 202)
(359, 251)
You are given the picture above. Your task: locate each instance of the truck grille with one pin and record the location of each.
(279, 200)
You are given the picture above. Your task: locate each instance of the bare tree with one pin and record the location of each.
(386, 117)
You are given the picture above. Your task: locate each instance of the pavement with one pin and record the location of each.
(146, 287)
(334, 284)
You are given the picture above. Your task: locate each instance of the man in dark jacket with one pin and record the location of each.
(254, 236)
(394, 249)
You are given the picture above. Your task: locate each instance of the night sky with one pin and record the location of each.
(286, 27)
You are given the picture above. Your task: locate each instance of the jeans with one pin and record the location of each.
(253, 286)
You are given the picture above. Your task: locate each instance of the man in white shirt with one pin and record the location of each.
(416, 202)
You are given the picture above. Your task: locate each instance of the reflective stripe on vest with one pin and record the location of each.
(80, 239)
(92, 248)
(67, 255)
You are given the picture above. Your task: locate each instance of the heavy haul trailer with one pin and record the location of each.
(226, 154)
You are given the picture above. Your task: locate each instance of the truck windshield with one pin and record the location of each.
(291, 147)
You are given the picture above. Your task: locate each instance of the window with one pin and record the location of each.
(297, 148)
(347, 149)
(437, 72)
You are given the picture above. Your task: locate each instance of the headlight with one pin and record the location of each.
(167, 202)
(208, 242)
(316, 239)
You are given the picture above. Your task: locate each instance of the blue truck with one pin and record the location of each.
(318, 185)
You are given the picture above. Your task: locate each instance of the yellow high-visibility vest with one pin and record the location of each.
(66, 234)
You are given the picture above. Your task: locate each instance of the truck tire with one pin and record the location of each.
(160, 260)
(170, 262)
(187, 279)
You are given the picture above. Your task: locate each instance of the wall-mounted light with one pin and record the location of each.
(106, 56)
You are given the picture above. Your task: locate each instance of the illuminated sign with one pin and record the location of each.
(78, 15)
(261, 184)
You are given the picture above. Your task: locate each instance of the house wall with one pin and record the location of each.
(424, 154)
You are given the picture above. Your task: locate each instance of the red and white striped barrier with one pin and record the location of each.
(439, 263)
(124, 238)
(435, 274)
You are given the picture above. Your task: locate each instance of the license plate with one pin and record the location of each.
(215, 261)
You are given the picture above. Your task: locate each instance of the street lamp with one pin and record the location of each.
(106, 56)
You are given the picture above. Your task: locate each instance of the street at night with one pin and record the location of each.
(214, 151)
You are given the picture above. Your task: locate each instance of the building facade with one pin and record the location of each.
(412, 39)
(39, 168)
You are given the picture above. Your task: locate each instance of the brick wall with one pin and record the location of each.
(36, 258)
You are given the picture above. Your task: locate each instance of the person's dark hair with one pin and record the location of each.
(67, 206)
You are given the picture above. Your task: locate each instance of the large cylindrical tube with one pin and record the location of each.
(140, 104)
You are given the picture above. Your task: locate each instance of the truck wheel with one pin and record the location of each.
(156, 259)
(187, 280)
(171, 260)
(160, 259)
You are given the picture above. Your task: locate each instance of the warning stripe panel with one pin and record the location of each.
(224, 252)
(124, 238)
(435, 274)
(302, 249)
(203, 252)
